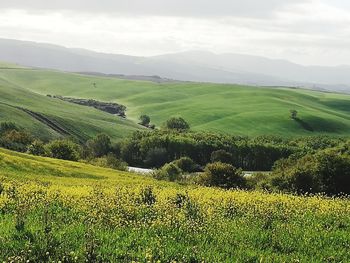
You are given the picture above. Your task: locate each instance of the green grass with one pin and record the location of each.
(79, 121)
(54, 210)
(215, 107)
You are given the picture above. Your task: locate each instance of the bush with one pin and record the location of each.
(178, 124)
(187, 165)
(221, 156)
(223, 175)
(259, 181)
(8, 126)
(109, 161)
(36, 148)
(169, 172)
(63, 149)
(16, 140)
(147, 196)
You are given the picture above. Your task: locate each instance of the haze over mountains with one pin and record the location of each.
(198, 66)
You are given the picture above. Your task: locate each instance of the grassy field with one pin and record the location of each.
(53, 210)
(71, 119)
(224, 108)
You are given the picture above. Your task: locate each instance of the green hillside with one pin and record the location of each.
(215, 107)
(48, 118)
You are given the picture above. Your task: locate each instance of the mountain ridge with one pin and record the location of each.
(196, 66)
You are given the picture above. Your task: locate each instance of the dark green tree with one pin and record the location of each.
(293, 114)
(324, 172)
(178, 124)
(63, 149)
(145, 120)
(223, 175)
(221, 156)
(100, 145)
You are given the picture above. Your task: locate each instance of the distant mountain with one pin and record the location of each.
(197, 66)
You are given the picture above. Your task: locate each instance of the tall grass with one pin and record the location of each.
(120, 217)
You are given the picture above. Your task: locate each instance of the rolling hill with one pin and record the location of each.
(234, 109)
(49, 118)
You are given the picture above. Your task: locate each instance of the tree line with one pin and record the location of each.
(318, 164)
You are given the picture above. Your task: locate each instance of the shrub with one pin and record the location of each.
(259, 181)
(109, 161)
(169, 172)
(36, 148)
(186, 164)
(147, 196)
(223, 175)
(8, 126)
(16, 140)
(63, 149)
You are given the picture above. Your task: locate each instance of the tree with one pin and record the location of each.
(293, 114)
(324, 172)
(156, 157)
(63, 149)
(223, 175)
(178, 124)
(100, 145)
(145, 120)
(221, 156)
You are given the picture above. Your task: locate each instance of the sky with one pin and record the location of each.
(308, 32)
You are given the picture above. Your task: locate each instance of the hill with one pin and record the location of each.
(56, 210)
(49, 118)
(198, 66)
(234, 109)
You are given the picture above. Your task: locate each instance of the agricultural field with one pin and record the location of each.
(59, 211)
(48, 118)
(234, 109)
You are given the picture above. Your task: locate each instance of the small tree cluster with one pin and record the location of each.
(323, 172)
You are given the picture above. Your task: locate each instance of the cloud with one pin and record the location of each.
(306, 32)
(192, 8)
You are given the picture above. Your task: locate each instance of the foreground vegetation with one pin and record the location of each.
(53, 210)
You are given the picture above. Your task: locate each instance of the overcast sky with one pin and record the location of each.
(303, 31)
